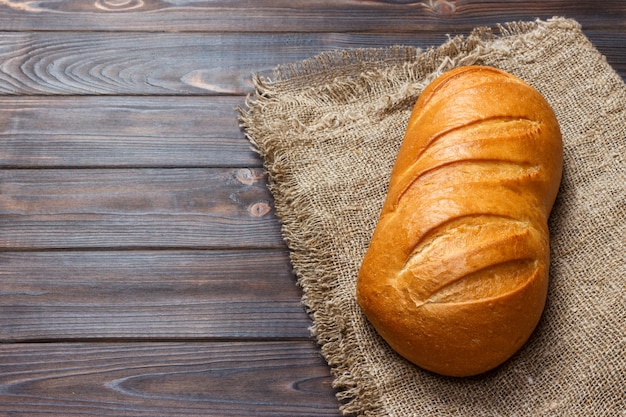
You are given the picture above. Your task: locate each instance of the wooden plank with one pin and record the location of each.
(174, 379)
(136, 208)
(149, 294)
(131, 63)
(298, 15)
(110, 131)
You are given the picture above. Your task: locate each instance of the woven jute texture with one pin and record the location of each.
(328, 130)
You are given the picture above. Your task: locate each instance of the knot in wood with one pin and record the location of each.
(441, 7)
(119, 5)
(259, 209)
(249, 176)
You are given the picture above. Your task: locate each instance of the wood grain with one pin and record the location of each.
(140, 208)
(113, 131)
(131, 63)
(165, 379)
(298, 15)
(149, 295)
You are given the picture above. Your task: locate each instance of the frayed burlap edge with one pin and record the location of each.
(351, 69)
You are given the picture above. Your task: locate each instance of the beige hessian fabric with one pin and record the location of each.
(328, 130)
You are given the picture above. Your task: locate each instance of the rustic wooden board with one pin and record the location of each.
(95, 295)
(137, 208)
(131, 63)
(298, 15)
(129, 131)
(165, 379)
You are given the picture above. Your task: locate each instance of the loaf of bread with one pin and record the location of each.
(456, 275)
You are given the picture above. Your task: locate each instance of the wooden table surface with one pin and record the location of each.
(142, 270)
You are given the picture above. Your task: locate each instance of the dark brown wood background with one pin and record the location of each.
(142, 271)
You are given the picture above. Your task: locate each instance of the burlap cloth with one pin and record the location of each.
(328, 130)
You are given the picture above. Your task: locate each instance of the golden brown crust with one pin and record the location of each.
(455, 278)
